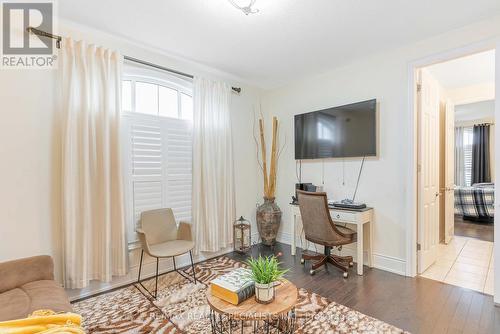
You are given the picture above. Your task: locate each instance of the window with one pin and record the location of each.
(157, 112)
(468, 155)
(143, 95)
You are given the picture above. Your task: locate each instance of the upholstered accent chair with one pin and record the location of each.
(319, 228)
(161, 238)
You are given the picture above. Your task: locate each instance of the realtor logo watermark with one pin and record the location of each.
(20, 48)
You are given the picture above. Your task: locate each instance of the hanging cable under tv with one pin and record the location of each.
(350, 203)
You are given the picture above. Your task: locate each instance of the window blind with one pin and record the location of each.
(160, 172)
(468, 155)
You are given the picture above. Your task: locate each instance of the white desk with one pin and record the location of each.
(362, 221)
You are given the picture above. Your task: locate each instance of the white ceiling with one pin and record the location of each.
(466, 71)
(475, 111)
(285, 40)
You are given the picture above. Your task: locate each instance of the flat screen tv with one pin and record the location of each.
(338, 132)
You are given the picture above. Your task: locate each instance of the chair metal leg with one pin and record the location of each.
(192, 265)
(140, 266)
(139, 276)
(156, 283)
(155, 294)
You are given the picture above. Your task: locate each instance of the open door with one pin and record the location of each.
(428, 170)
(449, 173)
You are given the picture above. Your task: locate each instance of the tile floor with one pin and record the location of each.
(465, 262)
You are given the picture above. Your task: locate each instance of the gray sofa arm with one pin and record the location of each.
(19, 272)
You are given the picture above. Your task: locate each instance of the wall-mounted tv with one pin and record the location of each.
(338, 132)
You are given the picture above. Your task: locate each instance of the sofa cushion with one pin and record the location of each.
(18, 272)
(46, 294)
(20, 302)
(14, 304)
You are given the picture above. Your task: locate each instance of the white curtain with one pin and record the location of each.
(94, 234)
(459, 157)
(213, 175)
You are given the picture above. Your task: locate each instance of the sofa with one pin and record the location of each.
(27, 285)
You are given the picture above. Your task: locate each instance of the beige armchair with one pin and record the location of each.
(161, 238)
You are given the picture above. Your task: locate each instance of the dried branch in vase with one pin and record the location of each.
(269, 179)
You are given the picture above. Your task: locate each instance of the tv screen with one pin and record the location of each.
(345, 131)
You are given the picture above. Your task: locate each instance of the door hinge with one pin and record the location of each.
(418, 247)
(419, 88)
(419, 168)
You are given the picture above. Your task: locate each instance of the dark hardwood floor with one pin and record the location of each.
(418, 305)
(466, 228)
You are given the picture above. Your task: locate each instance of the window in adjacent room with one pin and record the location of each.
(468, 155)
(157, 112)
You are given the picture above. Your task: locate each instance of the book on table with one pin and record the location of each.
(233, 287)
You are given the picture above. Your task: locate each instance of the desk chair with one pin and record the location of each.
(319, 228)
(161, 238)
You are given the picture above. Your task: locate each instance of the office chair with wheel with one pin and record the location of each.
(319, 228)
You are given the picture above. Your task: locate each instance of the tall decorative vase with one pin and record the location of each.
(268, 221)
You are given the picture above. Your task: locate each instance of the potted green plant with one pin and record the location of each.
(265, 272)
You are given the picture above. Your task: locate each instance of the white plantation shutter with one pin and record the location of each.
(146, 149)
(148, 195)
(147, 169)
(160, 163)
(468, 155)
(179, 161)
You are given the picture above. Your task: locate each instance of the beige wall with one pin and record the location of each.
(29, 186)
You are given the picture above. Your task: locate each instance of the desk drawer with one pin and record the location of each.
(343, 216)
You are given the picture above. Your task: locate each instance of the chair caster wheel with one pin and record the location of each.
(312, 272)
(302, 261)
(351, 264)
(346, 274)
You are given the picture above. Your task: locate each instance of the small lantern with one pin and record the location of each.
(241, 235)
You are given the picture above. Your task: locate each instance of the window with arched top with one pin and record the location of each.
(157, 114)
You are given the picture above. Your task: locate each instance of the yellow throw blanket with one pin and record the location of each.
(44, 322)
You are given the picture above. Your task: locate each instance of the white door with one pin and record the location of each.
(449, 173)
(428, 175)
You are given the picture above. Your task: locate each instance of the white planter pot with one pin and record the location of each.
(264, 293)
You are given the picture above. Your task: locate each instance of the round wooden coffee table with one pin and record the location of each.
(250, 316)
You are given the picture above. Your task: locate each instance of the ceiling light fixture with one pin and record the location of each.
(245, 9)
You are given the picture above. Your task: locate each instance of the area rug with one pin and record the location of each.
(181, 307)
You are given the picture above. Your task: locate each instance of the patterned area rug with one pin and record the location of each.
(181, 307)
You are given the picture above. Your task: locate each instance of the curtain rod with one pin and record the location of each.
(146, 63)
(58, 39)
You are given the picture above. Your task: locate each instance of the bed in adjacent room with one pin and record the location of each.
(476, 202)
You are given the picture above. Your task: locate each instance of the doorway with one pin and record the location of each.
(455, 103)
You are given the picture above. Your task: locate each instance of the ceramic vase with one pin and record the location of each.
(264, 293)
(268, 221)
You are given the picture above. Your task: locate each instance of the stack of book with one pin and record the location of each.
(234, 287)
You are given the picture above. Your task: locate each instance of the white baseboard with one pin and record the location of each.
(148, 270)
(380, 261)
(389, 263)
